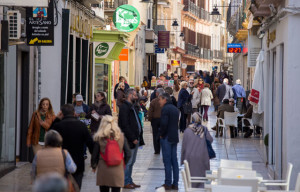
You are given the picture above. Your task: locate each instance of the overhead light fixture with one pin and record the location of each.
(175, 24)
(181, 34)
(215, 11)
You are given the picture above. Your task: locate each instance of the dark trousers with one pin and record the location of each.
(205, 116)
(182, 124)
(155, 123)
(106, 189)
(78, 178)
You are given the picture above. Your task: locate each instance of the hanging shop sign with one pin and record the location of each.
(184, 65)
(102, 49)
(163, 39)
(124, 55)
(234, 48)
(126, 18)
(26, 3)
(175, 63)
(40, 25)
(159, 50)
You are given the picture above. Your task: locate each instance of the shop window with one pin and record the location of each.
(101, 78)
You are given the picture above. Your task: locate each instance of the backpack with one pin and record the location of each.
(112, 155)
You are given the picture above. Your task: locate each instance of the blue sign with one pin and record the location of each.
(159, 50)
(234, 48)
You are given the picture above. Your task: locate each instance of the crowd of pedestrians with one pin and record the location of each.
(114, 143)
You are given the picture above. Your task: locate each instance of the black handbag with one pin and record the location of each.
(188, 108)
(211, 152)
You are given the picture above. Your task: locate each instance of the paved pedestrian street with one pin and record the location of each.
(149, 169)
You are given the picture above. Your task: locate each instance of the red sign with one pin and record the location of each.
(254, 96)
(163, 39)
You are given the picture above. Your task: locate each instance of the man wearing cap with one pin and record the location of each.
(80, 107)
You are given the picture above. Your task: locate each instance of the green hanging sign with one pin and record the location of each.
(126, 18)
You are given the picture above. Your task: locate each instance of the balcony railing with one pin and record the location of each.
(190, 50)
(191, 7)
(114, 4)
(218, 54)
(109, 5)
(203, 52)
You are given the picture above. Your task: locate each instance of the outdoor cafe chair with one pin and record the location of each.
(234, 164)
(231, 119)
(186, 184)
(221, 125)
(297, 187)
(284, 183)
(253, 183)
(230, 188)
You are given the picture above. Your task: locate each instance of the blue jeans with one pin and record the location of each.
(169, 153)
(129, 165)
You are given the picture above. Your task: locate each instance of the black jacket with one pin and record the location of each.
(103, 109)
(169, 122)
(129, 124)
(75, 134)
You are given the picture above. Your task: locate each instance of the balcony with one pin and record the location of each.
(217, 55)
(205, 15)
(260, 8)
(190, 50)
(108, 5)
(200, 13)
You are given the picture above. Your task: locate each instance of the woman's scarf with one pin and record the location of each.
(98, 103)
(197, 128)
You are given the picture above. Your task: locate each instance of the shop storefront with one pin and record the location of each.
(107, 46)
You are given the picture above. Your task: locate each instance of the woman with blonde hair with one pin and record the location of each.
(109, 176)
(120, 94)
(41, 121)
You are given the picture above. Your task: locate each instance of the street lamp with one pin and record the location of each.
(181, 34)
(215, 11)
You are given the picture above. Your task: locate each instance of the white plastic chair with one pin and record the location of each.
(236, 173)
(230, 188)
(186, 185)
(191, 179)
(258, 120)
(253, 183)
(221, 124)
(285, 183)
(233, 164)
(231, 119)
(297, 187)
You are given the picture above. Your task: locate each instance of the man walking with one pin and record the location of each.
(224, 91)
(169, 140)
(130, 124)
(154, 114)
(239, 96)
(75, 135)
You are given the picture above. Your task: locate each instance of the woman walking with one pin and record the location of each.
(41, 121)
(99, 109)
(109, 176)
(120, 94)
(183, 98)
(52, 158)
(194, 148)
(205, 98)
(176, 89)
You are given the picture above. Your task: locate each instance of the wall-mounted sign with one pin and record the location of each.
(124, 55)
(163, 39)
(40, 25)
(234, 48)
(184, 65)
(26, 3)
(175, 63)
(102, 49)
(126, 18)
(159, 50)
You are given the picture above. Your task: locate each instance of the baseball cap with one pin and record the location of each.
(79, 97)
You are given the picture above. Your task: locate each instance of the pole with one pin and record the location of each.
(39, 73)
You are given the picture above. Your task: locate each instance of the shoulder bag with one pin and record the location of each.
(72, 184)
(211, 152)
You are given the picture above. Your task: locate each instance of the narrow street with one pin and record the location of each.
(149, 168)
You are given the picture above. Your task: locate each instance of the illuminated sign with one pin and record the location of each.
(234, 48)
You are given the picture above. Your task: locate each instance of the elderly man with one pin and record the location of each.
(169, 140)
(154, 114)
(196, 96)
(224, 91)
(239, 96)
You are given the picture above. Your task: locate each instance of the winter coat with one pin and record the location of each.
(196, 97)
(183, 97)
(216, 98)
(120, 97)
(128, 123)
(103, 109)
(154, 111)
(206, 96)
(116, 87)
(224, 91)
(112, 176)
(223, 108)
(75, 135)
(194, 150)
(169, 122)
(176, 93)
(33, 133)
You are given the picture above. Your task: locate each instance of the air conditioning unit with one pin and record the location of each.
(14, 24)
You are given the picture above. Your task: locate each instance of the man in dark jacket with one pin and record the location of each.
(75, 135)
(169, 140)
(224, 91)
(131, 126)
(228, 108)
